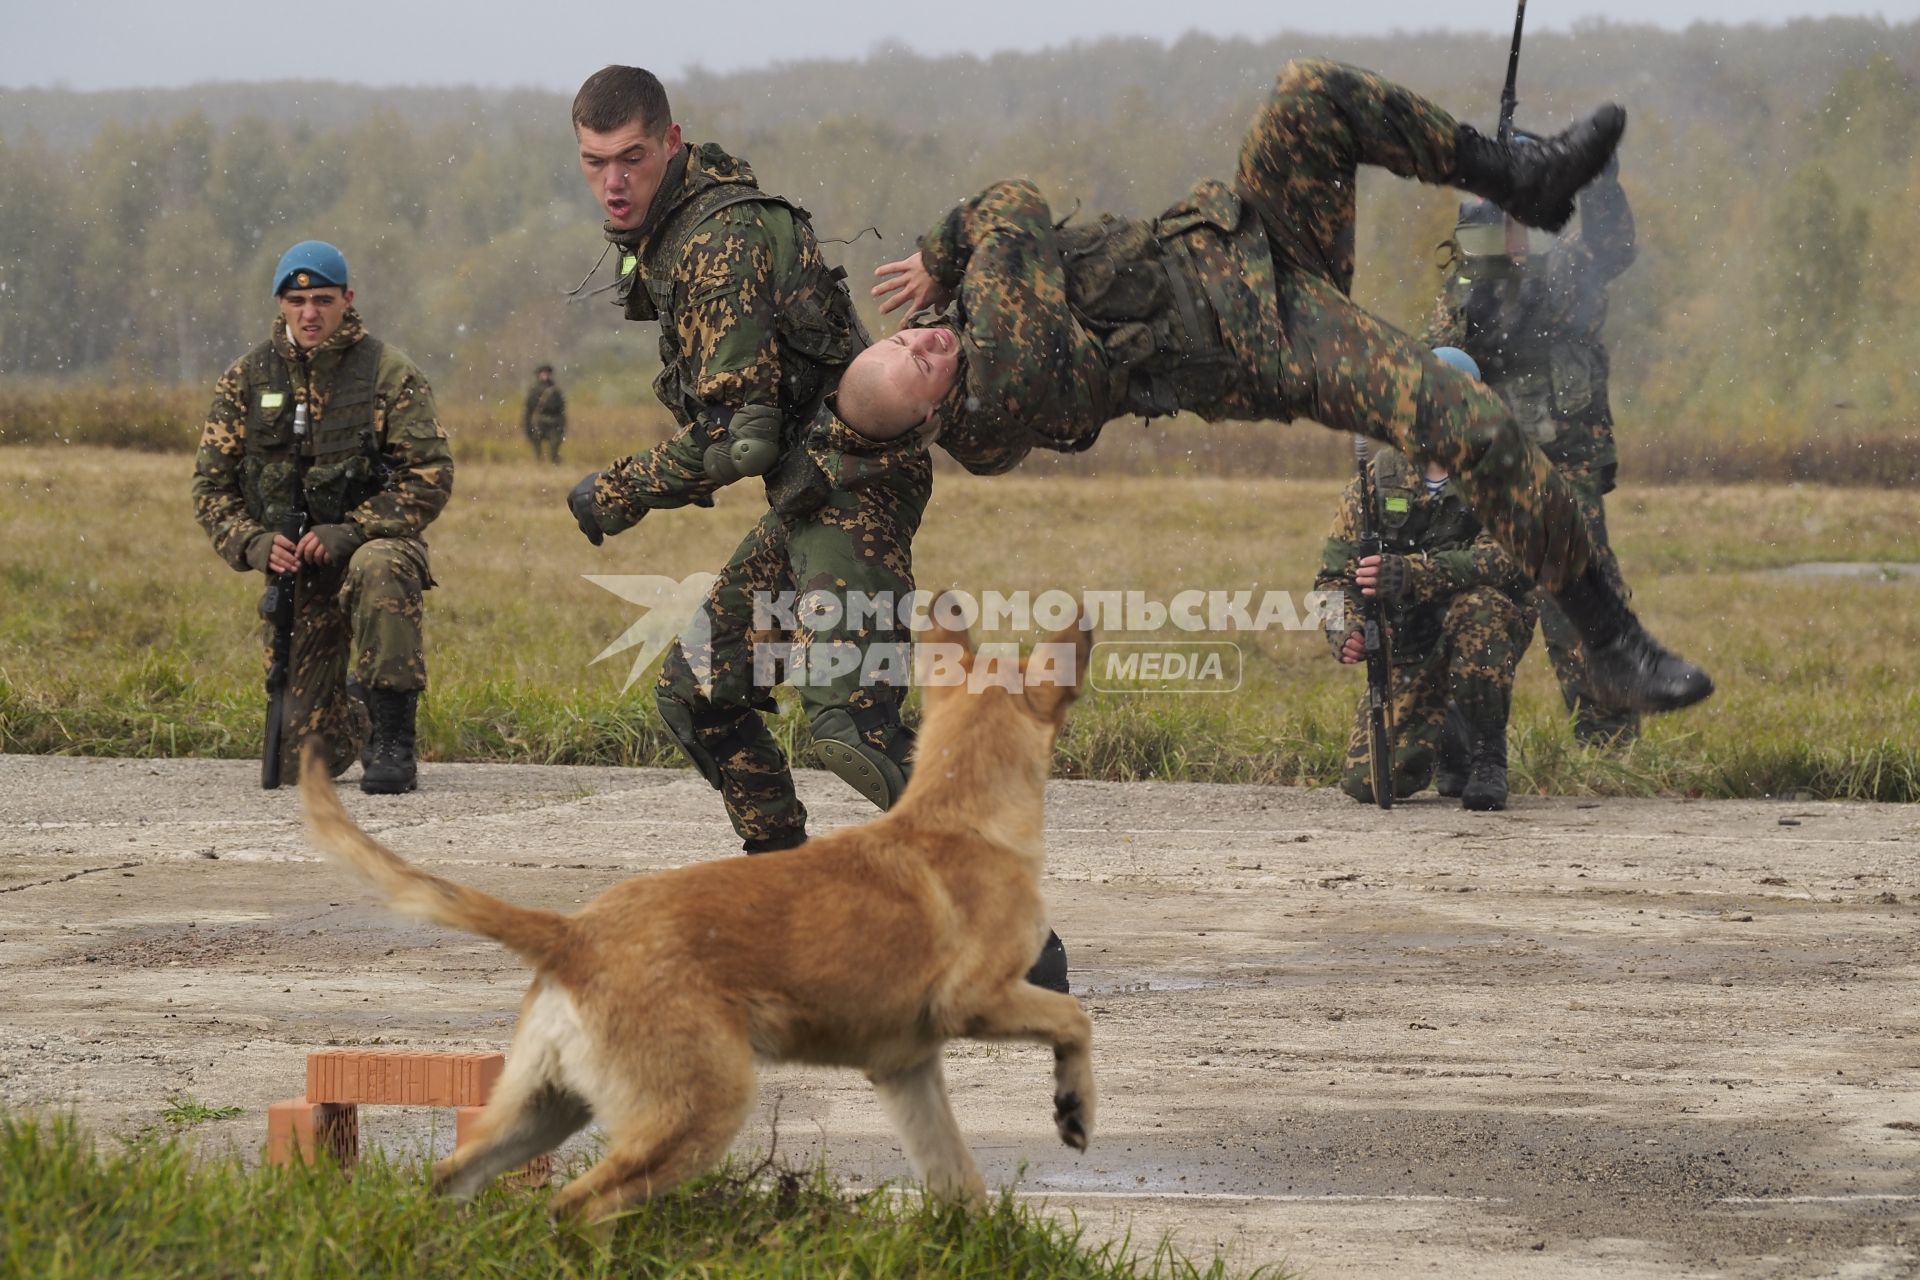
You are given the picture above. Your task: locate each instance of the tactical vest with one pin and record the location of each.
(342, 446)
(1547, 373)
(1412, 522)
(545, 404)
(1143, 289)
(819, 331)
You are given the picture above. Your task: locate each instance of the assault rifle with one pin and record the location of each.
(1379, 645)
(1510, 99)
(276, 606)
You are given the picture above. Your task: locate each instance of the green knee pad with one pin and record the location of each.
(679, 721)
(841, 751)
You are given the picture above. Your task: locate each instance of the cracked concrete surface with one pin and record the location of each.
(1639, 1038)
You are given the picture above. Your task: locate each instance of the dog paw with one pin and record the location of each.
(1069, 1119)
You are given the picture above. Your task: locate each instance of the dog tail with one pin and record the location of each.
(539, 937)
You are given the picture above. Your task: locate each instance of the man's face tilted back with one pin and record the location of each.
(895, 385)
(623, 167)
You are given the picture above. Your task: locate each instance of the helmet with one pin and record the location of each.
(1481, 234)
(1458, 359)
(310, 264)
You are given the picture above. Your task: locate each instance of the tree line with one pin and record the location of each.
(1773, 173)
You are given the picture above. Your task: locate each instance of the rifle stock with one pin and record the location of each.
(276, 606)
(1379, 646)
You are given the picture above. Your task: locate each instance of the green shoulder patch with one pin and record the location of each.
(1398, 503)
(272, 399)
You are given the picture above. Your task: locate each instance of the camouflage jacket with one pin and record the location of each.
(372, 413)
(1441, 537)
(750, 314)
(1537, 335)
(1064, 328)
(545, 402)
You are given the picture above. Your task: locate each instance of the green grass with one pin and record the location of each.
(124, 635)
(73, 1209)
(184, 1112)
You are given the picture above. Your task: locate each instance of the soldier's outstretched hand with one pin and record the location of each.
(908, 284)
(580, 503)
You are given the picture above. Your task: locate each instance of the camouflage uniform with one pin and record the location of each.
(1233, 304)
(1537, 338)
(357, 623)
(1457, 632)
(750, 315)
(544, 419)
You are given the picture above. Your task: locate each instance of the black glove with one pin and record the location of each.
(580, 502)
(1396, 575)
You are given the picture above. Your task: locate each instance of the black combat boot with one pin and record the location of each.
(1629, 669)
(1050, 970)
(387, 766)
(1537, 181)
(1486, 788)
(1450, 778)
(775, 843)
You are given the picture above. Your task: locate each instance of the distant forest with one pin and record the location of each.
(1773, 172)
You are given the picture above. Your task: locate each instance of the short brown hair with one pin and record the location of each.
(616, 96)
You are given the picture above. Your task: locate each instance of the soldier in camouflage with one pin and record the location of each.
(1460, 613)
(1534, 326)
(755, 332)
(1234, 304)
(544, 416)
(379, 472)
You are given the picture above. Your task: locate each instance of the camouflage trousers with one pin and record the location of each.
(354, 628)
(545, 435)
(1484, 634)
(827, 585)
(1593, 720)
(1351, 371)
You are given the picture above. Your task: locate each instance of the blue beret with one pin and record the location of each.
(311, 264)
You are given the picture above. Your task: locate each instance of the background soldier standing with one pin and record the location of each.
(1460, 613)
(380, 472)
(544, 417)
(1534, 326)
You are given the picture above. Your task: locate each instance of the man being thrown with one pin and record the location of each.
(1233, 304)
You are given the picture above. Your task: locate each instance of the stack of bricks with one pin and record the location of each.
(340, 1081)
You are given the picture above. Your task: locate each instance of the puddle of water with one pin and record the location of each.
(1854, 570)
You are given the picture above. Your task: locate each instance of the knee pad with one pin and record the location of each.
(678, 717)
(752, 447)
(843, 752)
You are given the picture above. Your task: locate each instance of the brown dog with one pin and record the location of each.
(649, 1005)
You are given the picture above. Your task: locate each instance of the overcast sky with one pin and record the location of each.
(552, 43)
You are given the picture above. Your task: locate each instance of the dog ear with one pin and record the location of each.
(943, 654)
(1057, 668)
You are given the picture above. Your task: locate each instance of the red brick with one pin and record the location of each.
(299, 1127)
(397, 1077)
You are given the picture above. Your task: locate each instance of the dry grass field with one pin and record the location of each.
(124, 634)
